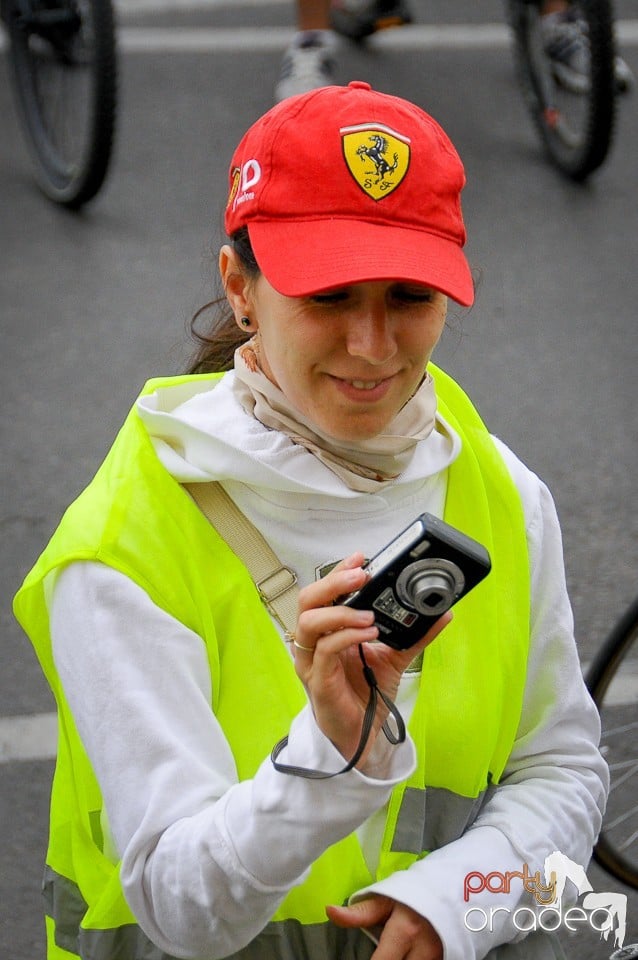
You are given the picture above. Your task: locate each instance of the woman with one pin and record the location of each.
(177, 829)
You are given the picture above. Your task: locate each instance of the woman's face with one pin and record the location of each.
(349, 358)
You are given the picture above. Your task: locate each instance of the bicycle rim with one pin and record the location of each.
(575, 126)
(613, 682)
(65, 84)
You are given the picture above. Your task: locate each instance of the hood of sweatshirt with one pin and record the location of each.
(201, 432)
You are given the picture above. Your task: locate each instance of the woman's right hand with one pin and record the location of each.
(327, 656)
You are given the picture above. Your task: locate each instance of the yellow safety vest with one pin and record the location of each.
(137, 519)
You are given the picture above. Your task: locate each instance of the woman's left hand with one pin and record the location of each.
(405, 934)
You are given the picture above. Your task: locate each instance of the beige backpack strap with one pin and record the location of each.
(277, 584)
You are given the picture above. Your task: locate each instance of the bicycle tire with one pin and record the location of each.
(576, 129)
(617, 662)
(65, 86)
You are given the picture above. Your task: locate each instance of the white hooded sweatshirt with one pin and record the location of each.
(206, 860)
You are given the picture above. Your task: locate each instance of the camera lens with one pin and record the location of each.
(429, 593)
(430, 586)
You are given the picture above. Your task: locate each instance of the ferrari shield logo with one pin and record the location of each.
(377, 157)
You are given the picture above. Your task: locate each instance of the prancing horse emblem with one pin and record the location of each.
(377, 153)
(377, 157)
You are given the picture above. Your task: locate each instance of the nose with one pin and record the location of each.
(370, 335)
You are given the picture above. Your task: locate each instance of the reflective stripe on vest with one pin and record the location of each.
(430, 818)
(460, 753)
(286, 940)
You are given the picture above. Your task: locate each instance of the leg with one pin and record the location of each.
(357, 19)
(308, 61)
(313, 15)
(567, 46)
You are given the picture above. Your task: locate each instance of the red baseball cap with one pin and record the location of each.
(344, 185)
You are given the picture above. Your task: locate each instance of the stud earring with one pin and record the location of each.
(245, 322)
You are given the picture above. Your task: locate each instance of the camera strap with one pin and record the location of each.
(276, 584)
(368, 719)
(278, 589)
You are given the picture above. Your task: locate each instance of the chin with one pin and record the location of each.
(353, 433)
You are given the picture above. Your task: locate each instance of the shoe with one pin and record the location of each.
(623, 76)
(307, 63)
(357, 19)
(566, 43)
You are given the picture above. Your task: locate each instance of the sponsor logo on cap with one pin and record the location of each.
(242, 181)
(377, 157)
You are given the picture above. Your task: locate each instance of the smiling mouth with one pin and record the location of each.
(364, 384)
(365, 389)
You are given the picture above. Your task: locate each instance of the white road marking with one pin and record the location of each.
(132, 7)
(487, 36)
(31, 737)
(148, 39)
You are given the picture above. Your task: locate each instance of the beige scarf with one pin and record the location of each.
(362, 465)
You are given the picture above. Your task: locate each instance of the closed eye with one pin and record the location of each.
(413, 294)
(333, 296)
(400, 293)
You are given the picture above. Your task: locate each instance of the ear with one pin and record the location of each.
(236, 283)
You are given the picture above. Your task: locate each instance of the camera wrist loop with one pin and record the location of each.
(368, 719)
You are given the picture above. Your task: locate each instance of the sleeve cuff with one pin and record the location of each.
(278, 824)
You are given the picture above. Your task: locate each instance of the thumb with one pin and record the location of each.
(364, 913)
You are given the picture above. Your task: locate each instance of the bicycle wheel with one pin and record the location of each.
(63, 67)
(613, 682)
(575, 126)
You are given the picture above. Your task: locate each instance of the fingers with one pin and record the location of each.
(342, 579)
(402, 933)
(366, 913)
(319, 618)
(408, 935)
(336, 627)
(322, 643)
(322, 617)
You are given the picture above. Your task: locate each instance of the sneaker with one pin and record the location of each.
(566, 43)
(357, 19)
(623, 76)
(307, 63)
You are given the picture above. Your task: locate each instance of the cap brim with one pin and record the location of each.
(303, 257)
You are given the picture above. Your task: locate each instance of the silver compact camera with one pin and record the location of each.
(419, 575)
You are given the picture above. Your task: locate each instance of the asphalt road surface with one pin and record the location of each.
(93, 304)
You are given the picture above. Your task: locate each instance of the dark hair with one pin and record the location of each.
(218, 340)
